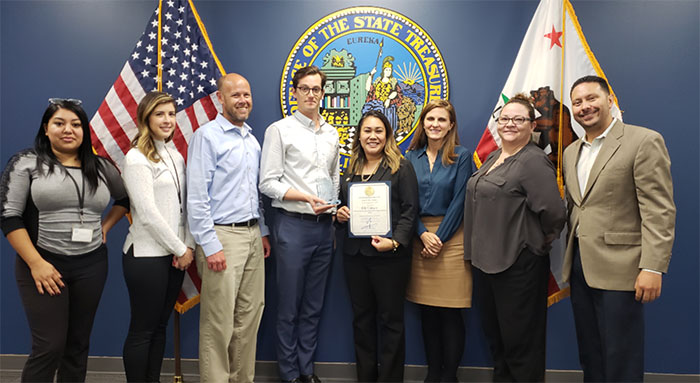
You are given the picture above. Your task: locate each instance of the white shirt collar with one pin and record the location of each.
(602, 135)
(307, 122)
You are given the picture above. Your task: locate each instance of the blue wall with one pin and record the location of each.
(649, 51)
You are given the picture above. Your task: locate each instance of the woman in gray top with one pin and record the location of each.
(512, 213)
(51, 204)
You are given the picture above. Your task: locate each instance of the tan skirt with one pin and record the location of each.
(443, 281)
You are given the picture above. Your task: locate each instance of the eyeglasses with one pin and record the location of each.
(305, 90)
(518, 120)
(56, 101)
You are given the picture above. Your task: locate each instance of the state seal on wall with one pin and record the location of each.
(374, 58)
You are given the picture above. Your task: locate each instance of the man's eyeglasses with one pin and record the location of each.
(305, 90)
(56, 101)
(519, 120)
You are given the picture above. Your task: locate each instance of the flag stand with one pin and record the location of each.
(178, 368)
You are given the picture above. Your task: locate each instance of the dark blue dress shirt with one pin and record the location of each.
(441, 192)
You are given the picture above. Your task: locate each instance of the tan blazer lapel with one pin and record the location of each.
(610, 146)
(574, 188)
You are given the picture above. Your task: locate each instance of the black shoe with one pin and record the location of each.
(310, 379)
(295, 380)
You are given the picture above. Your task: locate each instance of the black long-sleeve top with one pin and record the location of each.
(404, 210)
(515, 206)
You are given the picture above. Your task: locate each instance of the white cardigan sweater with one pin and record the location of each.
(158, 227)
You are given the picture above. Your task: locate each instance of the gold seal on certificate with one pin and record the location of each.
(370, 208)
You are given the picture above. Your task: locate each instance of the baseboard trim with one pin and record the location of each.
(267, 371)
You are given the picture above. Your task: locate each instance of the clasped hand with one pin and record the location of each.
(184, 261)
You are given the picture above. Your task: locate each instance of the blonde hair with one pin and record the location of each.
(392, 154)
(420, 140)
(144, 140)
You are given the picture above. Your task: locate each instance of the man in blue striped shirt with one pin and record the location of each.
(226, 220)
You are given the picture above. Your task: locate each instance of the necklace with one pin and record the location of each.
(367, 177)
(431, 159)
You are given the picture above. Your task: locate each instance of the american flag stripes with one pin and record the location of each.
(174, 55)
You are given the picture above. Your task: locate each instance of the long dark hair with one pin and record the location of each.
(392, 153)
(90, 164)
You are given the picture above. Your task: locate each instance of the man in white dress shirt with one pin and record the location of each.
(299, 172)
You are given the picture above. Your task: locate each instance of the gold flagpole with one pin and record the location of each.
(560, 179)
(178, 367)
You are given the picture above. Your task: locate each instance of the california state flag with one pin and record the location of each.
(553, 55)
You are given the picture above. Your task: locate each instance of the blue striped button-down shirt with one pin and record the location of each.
(222, 180)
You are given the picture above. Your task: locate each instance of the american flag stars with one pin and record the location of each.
(188, 71)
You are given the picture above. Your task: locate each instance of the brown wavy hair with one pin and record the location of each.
(420, 139)
(524, 100)
(392, 154)
(144, 140)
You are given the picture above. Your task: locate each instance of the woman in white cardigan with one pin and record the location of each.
(159, 246)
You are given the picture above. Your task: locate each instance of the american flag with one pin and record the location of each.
(173, 55)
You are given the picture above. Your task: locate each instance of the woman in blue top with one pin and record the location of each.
(441, 280)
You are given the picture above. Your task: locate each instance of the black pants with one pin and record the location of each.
(609, 330)
(153, 286)
(513, 306)
(443, 337)
(377, 287)
(61, 324)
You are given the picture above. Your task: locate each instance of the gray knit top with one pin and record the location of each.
(55, 200)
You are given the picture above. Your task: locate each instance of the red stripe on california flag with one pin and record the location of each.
(126, 98)
(113, 127)
(486, 145)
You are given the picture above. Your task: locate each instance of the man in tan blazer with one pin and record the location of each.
(621, 229)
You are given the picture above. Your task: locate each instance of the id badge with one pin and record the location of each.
(81, 235)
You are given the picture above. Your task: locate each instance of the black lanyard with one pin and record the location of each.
(175, 178)
(81, 196)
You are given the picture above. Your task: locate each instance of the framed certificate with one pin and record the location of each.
(370, 209)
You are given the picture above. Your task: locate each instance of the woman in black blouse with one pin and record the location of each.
(512, 213)
(377, 269)
(52, 199)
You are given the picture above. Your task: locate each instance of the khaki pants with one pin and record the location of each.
(232, 304)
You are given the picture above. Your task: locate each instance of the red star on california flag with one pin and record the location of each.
(554, 36)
